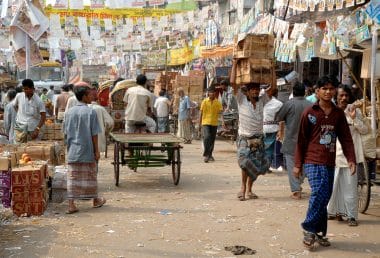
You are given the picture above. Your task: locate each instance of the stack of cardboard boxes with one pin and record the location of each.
(29, 190)
(164, 80)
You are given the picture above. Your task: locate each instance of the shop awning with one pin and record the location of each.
(217, 52)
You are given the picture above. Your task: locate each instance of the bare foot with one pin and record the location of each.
(241, 196)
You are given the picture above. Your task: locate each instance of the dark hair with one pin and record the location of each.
(52, 87)
(253, 85)
(66, 87)
(307, 83)
(141, 79)
(334, 80)
(323, 81)
(162, 93)
(347, 89)
(44, 90)
(80, 92)
(71, 86)
(117, 80)
(224, 82)
(11, 94)
(19, 89)
(298, 89)
(28, 83)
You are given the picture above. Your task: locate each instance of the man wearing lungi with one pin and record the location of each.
(321, 125)
(81, 128)
(344, 198)
(250, 143)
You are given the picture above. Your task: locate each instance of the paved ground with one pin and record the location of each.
(147, 216)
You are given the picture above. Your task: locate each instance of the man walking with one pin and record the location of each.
(184, 118)
(270, 126)
(31, 114)
(344, 198)
(61, 103)
(250, 143)
(321, 125)
(162, 107)
(290, 113)
(81, 128)
(210, 110)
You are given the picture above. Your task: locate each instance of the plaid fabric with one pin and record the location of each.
(321, 179)
(184, 129)
(82, 181)
(252, 159)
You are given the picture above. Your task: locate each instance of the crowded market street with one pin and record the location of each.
(147, 216)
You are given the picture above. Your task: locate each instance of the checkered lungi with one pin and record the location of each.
(321, 180)
(251, 157)
(82, 181)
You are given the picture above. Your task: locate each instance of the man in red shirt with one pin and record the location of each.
(321, 125)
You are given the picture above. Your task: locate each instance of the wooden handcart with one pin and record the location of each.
(147, 150)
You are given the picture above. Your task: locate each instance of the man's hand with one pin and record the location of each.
(34, 134)
(280, 136)
(97, 155)
(352, 166)
(297, 172)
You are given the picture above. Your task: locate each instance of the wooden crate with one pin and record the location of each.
(258, 46)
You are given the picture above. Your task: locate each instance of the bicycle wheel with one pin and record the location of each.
(176, 166)
(364, 187)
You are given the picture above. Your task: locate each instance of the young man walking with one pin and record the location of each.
(81, 128)
(211, 108)
(321, 125)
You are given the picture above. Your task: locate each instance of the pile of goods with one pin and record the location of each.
(254, 60)
(52, 131)
(165, 80)
(25, 171)
(104, 92)
(193, 86)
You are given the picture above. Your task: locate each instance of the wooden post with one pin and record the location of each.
(364, 97)
(27, 56)
(350, 70)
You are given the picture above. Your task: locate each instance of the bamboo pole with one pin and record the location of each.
(364, 107)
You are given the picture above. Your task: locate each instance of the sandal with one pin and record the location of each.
(72, 211)
(240, 196)
(308, 239)
(296, 196)
(251, 195)
(352, 222)
(323, 241)
(99, 202)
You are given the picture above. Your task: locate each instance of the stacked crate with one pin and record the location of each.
(255, 62)
(53, 132)
(59, 184)
(164, 80)
(196, 85)
(29, 190)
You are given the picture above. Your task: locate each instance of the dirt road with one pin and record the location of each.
(147, 216)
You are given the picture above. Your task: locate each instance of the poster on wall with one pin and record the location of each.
(97, 3)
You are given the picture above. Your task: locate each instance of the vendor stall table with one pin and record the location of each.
(147, 150)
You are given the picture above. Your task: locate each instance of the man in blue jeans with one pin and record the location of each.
(290, 113)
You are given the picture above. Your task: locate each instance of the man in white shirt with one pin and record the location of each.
(270, 125)
(250, 143)
(162, 107)
(50, 93)
(139, 102)
(31, 114)
(106, 122)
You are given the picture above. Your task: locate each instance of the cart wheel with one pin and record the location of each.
(116, 164)
(176, 166)
(364, 187)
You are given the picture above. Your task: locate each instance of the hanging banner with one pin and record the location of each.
(180, 56)
(113, 14)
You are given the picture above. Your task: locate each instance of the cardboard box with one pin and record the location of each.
(5, 192)
(198, 73)
(20, 208)
(29, 176)
(37, 208)
(37, 195)
(7, 162)
(196, 80)
(21, 197)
